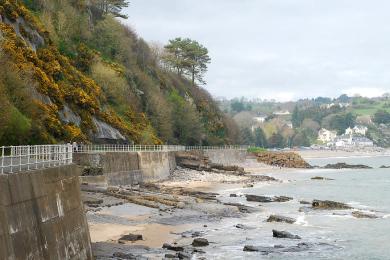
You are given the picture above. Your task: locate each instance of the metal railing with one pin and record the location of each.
(150, 148)
(31, 157)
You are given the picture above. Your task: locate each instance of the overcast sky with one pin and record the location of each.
(281, 49)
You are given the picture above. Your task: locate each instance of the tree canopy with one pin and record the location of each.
(187, 57)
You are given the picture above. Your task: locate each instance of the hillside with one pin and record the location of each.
(70, 71)
(290, 124)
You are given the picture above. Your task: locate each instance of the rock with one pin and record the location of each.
(283, 159)
(328, 204)
(131, 237)
(183, 255)
(170, 256)
(321, 178)
(384, 167)
(346, 166)
(198, 242)
(173, 248)
(284, 234)
(245, 227)
(359, 214)
(304, 202)
(265, 199)
(278, 218)
(233, 195)
(263, 249)
(121, 255)
(243, 208)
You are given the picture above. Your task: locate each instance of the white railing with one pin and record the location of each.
(150, 148)
(32, 157)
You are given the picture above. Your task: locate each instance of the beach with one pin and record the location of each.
(212, 205)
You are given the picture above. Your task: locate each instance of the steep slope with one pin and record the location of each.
(68, 75)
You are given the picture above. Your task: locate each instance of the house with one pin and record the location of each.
(358, 130)
(351, 141)
(362, 141)
(260, 119)
(325, 135)
(281, 113)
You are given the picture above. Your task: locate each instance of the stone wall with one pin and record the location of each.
(42, 216)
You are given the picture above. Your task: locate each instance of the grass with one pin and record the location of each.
(256, 149)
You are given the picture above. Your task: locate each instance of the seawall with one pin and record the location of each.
(128, 168)
(122, 168)
(42, 216)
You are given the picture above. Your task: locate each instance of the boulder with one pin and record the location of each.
(173, 248)
(120, 255)
(198, 242)
(384, 167)
(242, 226)
(321, 178)
(304, 202)
(184, 255)
(359, 214)
(284, 234)
(243, 208)
(278, 218)
(346, 166)
(328, 204)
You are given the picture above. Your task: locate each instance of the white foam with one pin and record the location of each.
(302, 221)
(356, 204)
(386, 216)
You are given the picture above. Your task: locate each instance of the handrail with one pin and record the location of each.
(32, 157)
(149, 148)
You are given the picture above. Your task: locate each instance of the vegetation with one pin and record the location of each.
(74, 59)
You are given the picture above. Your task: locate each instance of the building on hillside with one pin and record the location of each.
(357, 130)
(326, 136)
(360, 130)
(260, 119)
(347, 140)
(282, 113)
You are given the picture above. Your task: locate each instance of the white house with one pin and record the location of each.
(351, 141)
(325, 135)
(260, 119)
(362, 141)
(358, 130)
(282, 113)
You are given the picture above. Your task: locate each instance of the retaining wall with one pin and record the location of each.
(126, 168)
(42, 216)
(226, 157)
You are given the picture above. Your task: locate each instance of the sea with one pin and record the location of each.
(325, 234)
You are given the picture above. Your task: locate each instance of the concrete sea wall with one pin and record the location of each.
(42, 216)
(122, 168)
(226, 157)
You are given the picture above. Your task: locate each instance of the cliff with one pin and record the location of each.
(69, 75)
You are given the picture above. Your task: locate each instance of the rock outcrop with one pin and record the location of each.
(359, 214)
(278, 218)
(284, 234)
(266, 199)
(346, 166)
(328, 204)
(283, 159)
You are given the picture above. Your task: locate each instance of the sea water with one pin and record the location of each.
(330, 234)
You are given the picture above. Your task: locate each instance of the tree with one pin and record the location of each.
(198, 58)
(382, 117)
(100, 8)
(237, 106)
(260, 138)
(247, 136)
(340, 122)
(296, 118)
(276, 141)
(188, 57)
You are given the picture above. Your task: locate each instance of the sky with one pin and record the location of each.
(279, 49)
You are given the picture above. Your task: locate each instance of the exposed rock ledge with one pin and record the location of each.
(283, 159)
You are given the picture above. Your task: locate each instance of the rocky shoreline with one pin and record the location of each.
(173, 219)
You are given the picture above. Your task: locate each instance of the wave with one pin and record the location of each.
(356, 204)
(386, 216)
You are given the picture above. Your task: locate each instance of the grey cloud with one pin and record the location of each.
(282, 48)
